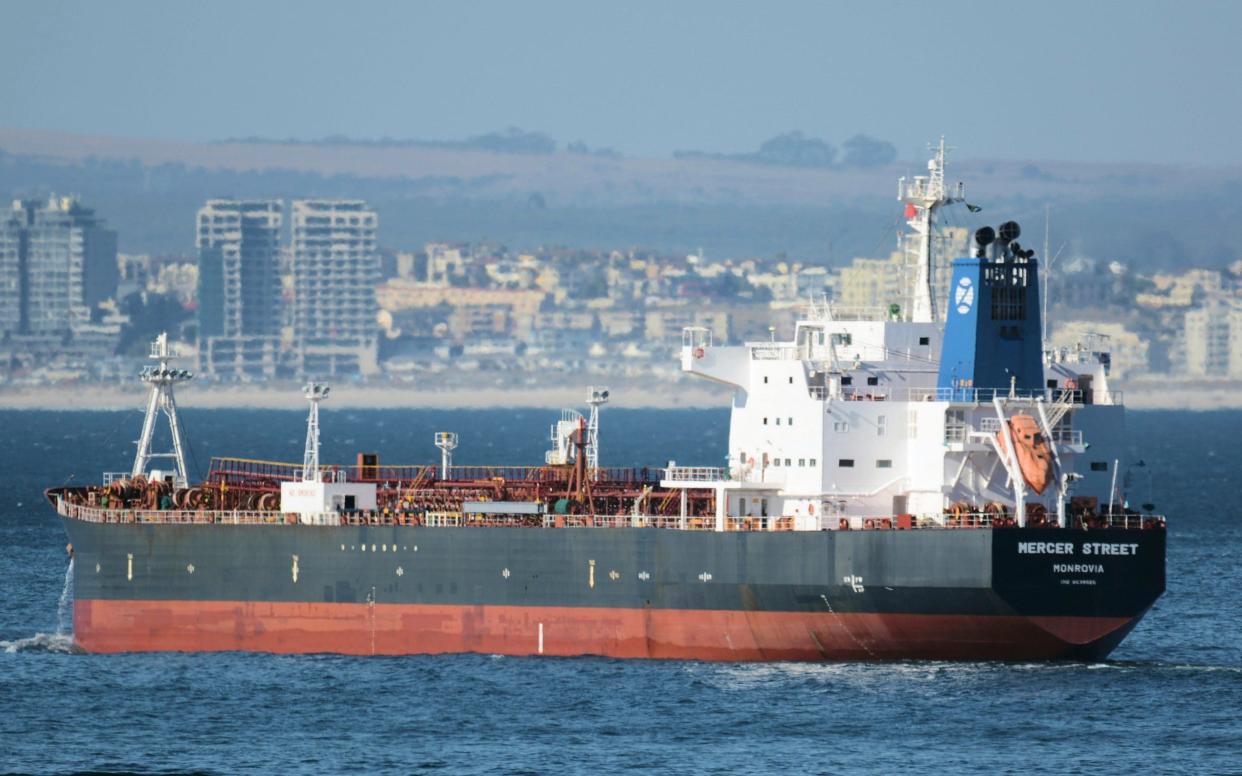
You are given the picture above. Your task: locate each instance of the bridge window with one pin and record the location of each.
(846, 463)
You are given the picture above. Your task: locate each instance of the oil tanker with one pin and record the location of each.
(920, 483)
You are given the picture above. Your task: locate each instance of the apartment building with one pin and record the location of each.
(57, 262)
(239, 287)
(336, 268)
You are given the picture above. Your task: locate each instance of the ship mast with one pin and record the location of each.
(596, 397)
(923, 196)
(314, 393)
(161, 378)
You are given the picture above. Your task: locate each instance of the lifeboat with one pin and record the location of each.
(1033, 453)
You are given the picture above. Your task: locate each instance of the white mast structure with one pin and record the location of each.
(162, 378)
(923, 196)
(447, 442)
(314, 393)
(596, 397)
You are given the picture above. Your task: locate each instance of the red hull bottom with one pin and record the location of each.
(400, 629)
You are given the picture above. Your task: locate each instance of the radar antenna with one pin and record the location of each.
(162, 378)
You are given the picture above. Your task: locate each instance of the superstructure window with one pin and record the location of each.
(924, 340)
(790, 421)
(778, 421)
(812, 462)
(765, 379)
(881, 425)
(955, 425)
(884, 463)
(765, 421)
(845, 463)
(802, 462)
(788, 462)
(847, 380)
(1099, 466)
(840, 426)
(873, 381)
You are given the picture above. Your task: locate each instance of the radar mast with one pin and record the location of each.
(923, 196)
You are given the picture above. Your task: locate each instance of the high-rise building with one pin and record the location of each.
(241, 309)
(1212, 338)
(57, 262)
(336, 268)
(13, 271)
(239, 268)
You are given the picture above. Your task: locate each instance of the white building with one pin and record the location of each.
(1212, 340)
(336, 268)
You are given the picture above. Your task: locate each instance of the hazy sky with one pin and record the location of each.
(1134, 80)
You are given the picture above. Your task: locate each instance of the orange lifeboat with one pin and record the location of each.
(1034, 455)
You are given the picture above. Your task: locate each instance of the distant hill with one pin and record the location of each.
(1149, 216)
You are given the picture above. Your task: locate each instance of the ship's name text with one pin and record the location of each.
(1068, 548)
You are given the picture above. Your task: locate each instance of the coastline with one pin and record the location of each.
(357, 396)
(1148, 394)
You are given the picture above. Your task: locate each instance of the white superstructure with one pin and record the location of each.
(852, 419)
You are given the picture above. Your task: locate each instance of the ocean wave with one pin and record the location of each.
(41, 642)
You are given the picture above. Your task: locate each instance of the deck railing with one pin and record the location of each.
(446, 519)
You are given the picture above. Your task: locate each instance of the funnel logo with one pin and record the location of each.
(964, 296)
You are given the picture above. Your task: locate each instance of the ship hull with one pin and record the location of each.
(1002, 594)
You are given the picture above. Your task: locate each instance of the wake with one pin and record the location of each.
(62, 640)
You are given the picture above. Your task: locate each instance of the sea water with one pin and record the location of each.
(1169, 699)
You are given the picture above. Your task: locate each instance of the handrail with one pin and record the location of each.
(445, 519)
